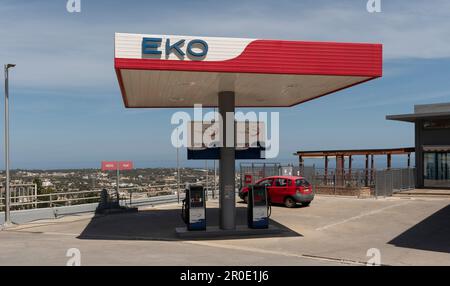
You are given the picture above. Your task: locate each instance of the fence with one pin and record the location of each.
(25, 199)
(359, 182)
(324, 181)
(391, 181)
(21, 194)
(348, 182)
(354, 182)
(136, 195)
(256, 171)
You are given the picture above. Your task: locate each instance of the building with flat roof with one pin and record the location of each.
(432, 143)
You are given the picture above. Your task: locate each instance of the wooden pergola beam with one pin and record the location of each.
(358, 152)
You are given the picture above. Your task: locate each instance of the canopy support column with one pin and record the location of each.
(227, 199)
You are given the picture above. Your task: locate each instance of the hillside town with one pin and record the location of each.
(74, 180)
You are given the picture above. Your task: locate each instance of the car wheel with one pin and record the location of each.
(289, 202)
(246, 199)
(306, 204)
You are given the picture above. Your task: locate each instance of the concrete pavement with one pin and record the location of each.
(332, 231)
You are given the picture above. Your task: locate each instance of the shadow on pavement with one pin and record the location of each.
(432, 234)
(160, 224)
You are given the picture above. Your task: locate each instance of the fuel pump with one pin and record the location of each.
(193, 210)
(258, 207)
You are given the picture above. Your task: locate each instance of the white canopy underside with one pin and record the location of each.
(155, 88)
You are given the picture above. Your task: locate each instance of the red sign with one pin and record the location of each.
(248, 179)
(114, 165)
(109, 166)
(125, 165)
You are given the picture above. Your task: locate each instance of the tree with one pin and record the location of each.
(42, 191)
(38, 182)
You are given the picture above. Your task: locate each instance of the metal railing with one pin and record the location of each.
(138, 195)
(352, 182)
(257, 171)
(20, 193)
(391, 181)
(323, 180)
(52, 199)
(339, 182)
(128, 195)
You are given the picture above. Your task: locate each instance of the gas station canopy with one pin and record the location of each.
(180, 71)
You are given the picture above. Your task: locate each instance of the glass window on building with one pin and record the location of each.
(437, 124)
(437, 169)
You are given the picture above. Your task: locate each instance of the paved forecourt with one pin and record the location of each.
(332, 231)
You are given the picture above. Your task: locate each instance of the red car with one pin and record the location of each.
(287, 190)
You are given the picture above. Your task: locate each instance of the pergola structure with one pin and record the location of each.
(340, 156)
(163, 71)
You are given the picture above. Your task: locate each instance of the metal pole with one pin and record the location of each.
(372, 167)
(215, 175)
(178, 170)
(7, 190)
(334, 184)
(227, 198)
(35, 196)
(214, 165)
(367, 171)
(253, 171)
(131, 195)
(207, 179)
(117, 192)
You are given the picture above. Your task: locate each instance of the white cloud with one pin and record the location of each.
(407, 99)
(407, 29)
(61, 51)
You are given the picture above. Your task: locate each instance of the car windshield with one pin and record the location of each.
(302, 183)
(266, 182)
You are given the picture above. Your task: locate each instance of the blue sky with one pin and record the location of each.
(66, 107)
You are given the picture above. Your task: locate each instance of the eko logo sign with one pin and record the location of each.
(195, 49)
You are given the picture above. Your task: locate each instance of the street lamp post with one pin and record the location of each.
(178, 170)
(207, 179)
(215, 170)
(7, 190)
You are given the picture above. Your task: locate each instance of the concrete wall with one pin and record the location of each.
(24, 216)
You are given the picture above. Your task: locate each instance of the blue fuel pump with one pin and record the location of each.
(194, 208)
(258, 207)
